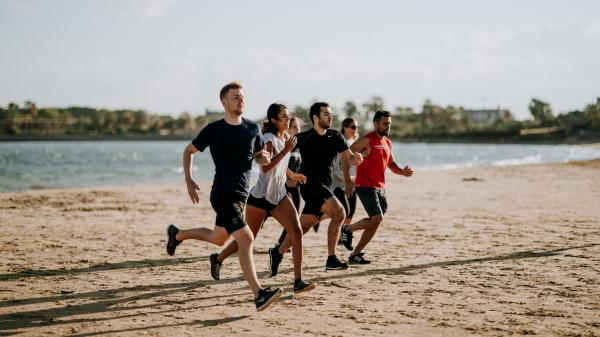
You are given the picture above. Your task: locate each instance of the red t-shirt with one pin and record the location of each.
(371, 172)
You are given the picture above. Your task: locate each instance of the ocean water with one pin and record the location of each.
(42, 165)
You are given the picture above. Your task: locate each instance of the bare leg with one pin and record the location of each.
(306, 222)
(254, 218)
(217, 236)
(245, 240)
(287, 216)
(368, 233)
(360, 224)
(333, 208)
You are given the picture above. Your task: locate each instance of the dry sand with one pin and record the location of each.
(484, 251)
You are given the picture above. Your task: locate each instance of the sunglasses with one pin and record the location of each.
(353, 127)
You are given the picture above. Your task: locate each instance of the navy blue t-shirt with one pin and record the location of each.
(232, 149)
(318, 153)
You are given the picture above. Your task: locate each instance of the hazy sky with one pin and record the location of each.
(173, 56)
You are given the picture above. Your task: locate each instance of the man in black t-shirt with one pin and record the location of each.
(234, 143)
(318, 147)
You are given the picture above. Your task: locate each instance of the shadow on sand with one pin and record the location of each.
(113, 300)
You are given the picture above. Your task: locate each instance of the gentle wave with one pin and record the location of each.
(41, 165)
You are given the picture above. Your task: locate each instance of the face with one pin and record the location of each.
(234, 101)
(282, 122)
(351, 129)
(294, 128)
(382, 127)
(325, 119)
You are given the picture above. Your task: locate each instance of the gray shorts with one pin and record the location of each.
(373, 200)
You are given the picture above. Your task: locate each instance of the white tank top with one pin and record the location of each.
(271, 185)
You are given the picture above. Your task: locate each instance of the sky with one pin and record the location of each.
(168, 56)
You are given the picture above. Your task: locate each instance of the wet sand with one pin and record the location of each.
(482, 251)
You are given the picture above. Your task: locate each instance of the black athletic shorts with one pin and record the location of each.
(230, 212)
(261, 203)
(348, 203)
(314, 197)
(373, 200)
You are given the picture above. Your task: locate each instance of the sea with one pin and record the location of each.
(68, 164)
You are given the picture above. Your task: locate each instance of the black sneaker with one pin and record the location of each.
(171, 242)
(300, 286)
(358, 259)
(215, 267)
(347, 238)
(333, 263)
(274, 260)
(266, 297)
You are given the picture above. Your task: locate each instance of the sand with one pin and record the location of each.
(481, 251)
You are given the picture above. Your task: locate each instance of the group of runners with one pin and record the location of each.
(329, 169)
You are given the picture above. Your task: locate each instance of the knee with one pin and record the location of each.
(375, 221)
(340, 214)
(295, 232)
(220, 241)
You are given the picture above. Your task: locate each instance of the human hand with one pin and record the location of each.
(193, 189)
(263, 157)
(407, 171)
(290, 143)
(349, 188)
(298, 178)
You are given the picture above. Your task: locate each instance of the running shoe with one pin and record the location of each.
(333, 263)
(300, 286)
(274, 260)
(347, 238)
(172, 243)
(215, 267)
(266, 297)
(358, 259)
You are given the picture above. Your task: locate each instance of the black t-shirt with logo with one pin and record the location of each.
(232, 149)
(318, 153)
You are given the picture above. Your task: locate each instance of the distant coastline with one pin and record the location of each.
(480, 139)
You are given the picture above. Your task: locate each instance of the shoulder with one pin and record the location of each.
(268, 136)
(250, 125)
(214, 125)
(335, 133)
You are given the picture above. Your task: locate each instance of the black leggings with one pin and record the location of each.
(348, 203)
(294, 193)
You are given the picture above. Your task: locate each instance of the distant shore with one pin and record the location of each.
(468, 140)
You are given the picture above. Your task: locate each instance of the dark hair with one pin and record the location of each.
(227, 87)
(315, 109)
(380, 114)
(272, 113)
(345, 123)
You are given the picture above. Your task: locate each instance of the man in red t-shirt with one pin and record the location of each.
(370, 183)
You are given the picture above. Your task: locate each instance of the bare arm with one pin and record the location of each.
(192, 187)
(350, 158)
(290, 143)
(406, 171)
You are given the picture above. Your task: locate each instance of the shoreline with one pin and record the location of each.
(581, 163)
(427, 140)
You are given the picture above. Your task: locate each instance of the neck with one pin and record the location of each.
(280, 133)
(379, 135)
(232, 118)
(319, 129)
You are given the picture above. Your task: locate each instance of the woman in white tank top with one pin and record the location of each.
(269, 196)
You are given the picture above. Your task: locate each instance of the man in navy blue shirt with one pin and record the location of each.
(234, 143)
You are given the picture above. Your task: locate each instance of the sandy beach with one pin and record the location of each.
(490, 251)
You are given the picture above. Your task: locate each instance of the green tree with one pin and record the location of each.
(541, 111)
(371, 106)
